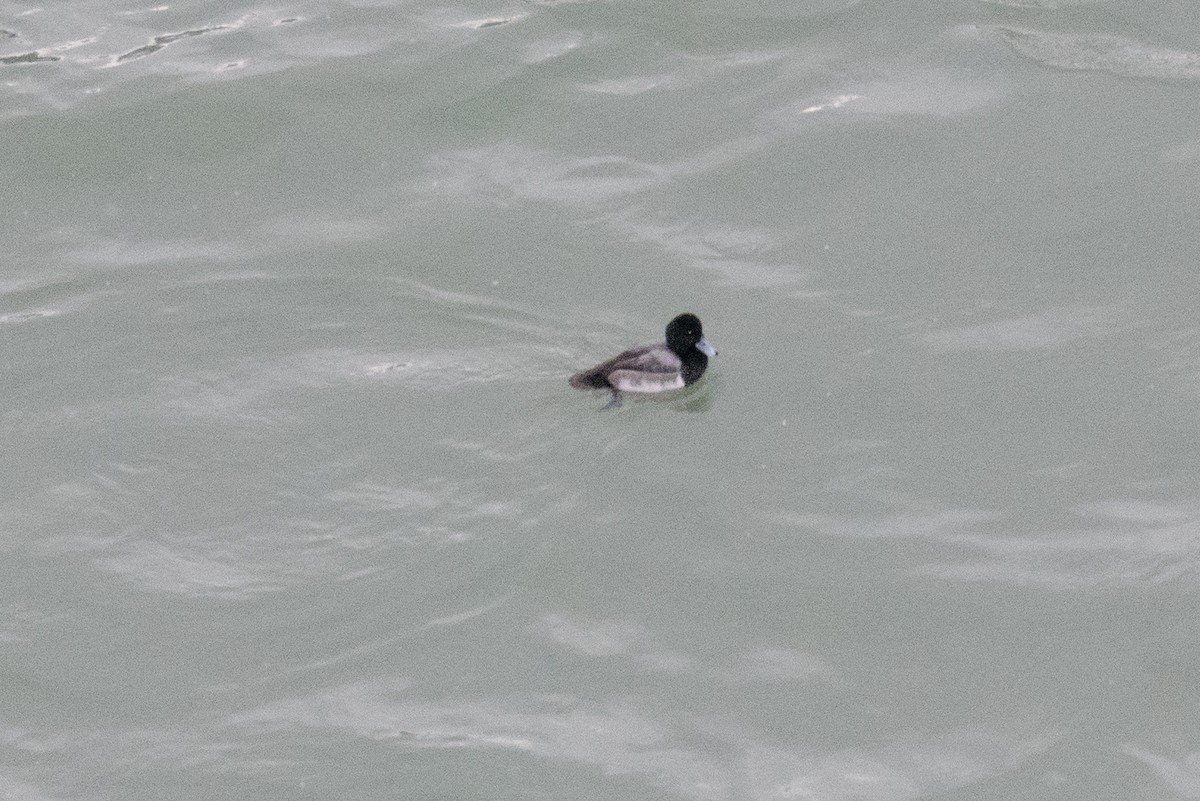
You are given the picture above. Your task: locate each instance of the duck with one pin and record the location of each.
(675, 363)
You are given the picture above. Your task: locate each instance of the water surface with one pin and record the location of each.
(299, 502)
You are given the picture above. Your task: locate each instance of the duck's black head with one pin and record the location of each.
(685, 337)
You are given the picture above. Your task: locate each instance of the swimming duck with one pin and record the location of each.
(657, 367)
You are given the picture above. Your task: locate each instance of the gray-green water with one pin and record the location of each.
(297, 502)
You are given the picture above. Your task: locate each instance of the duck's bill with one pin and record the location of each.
(705, 348)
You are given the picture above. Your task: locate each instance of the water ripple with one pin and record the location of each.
(1049, 329)
(1180, 774)
(1116, 543)
(163, 40)
(1117, 55)
(620, 738)
(33, 57)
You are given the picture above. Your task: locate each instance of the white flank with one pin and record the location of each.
(634, 381)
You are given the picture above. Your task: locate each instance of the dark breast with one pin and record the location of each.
(693, 368)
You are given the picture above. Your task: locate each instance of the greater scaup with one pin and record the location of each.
(658, 367)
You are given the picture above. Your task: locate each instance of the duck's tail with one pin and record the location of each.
(590, 379)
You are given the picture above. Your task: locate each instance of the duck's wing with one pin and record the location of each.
(648, 368)
(653, 359)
